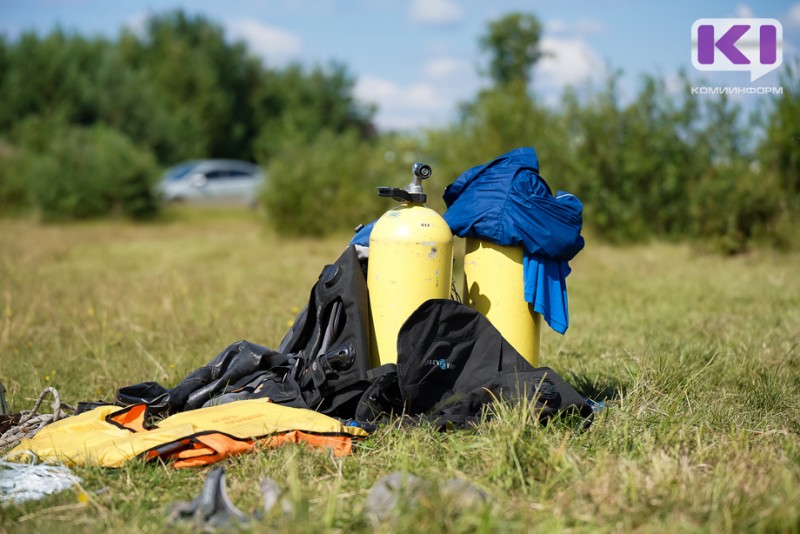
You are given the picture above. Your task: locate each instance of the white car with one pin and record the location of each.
(213, 180)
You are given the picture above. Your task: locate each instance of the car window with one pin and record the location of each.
(179, 171)
(218, 174)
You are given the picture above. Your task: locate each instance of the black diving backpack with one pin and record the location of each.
(452, 364)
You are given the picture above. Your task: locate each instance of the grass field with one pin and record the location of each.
(695, 356)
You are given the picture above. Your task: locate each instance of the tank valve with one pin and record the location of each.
(421, 170)
(413, 191)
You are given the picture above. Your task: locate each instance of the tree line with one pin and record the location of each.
(178, 91)
(87, 123)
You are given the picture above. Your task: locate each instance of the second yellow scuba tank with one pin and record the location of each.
(410, 261)
(493, 285)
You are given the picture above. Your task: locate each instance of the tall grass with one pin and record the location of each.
(695, 356)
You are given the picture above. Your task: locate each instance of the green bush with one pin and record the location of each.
(731, 207)
(329, 184)
(14, 193)
(93, 172)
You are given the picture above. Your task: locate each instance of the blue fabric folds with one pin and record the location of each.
(506, 202)
(362, 235)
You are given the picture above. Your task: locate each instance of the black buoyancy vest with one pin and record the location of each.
(322, 362)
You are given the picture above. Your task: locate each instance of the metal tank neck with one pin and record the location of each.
(413, 191)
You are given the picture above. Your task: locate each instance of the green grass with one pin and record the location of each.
(694, 354)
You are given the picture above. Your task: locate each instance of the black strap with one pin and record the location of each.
(384, 369)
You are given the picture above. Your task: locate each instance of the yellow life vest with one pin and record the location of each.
(109, 436)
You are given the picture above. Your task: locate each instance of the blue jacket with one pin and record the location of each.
(506, 202)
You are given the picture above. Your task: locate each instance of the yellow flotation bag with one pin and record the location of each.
(109, 436)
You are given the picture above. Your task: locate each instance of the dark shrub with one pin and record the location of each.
(93, 172)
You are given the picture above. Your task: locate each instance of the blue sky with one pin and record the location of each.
(416, 59)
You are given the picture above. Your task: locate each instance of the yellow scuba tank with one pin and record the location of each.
(493, 285)
(410, 261)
